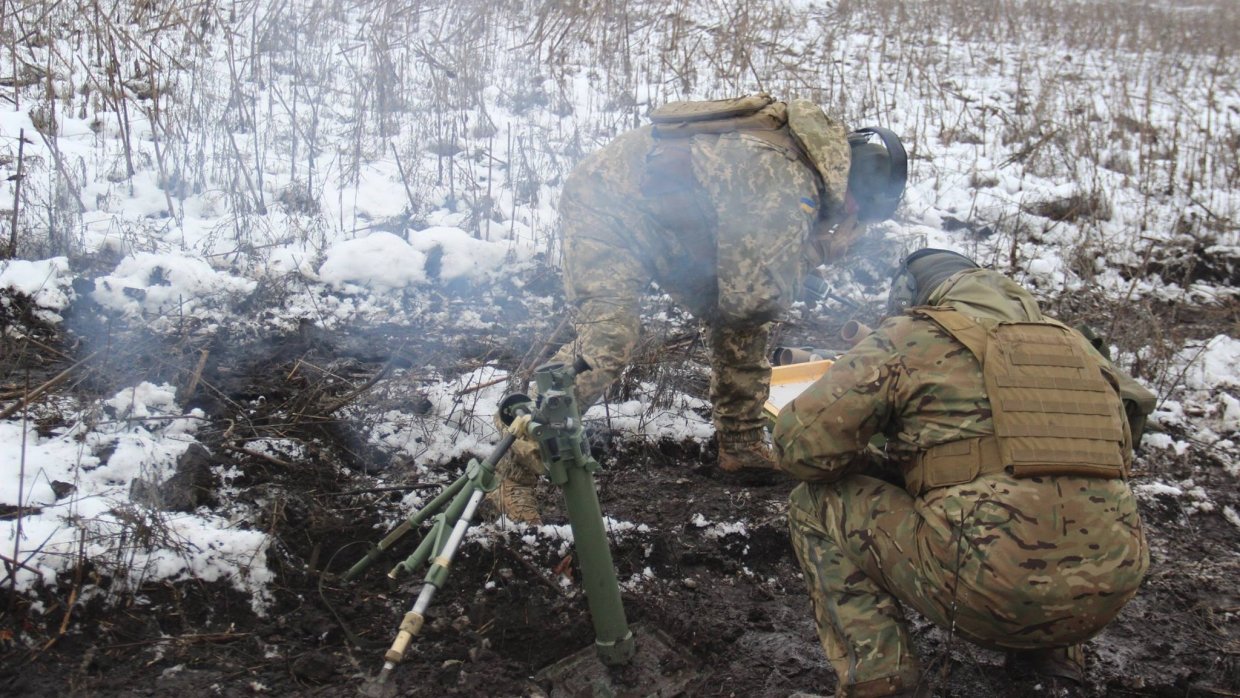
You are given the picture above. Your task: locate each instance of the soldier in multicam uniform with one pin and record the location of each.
(1015, 527)
(721, 204)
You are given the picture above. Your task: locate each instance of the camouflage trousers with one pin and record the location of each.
(966, 559)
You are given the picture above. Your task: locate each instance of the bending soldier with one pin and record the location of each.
(1015, 527)
(722, 204)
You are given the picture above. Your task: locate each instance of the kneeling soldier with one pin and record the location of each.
(1015, 527)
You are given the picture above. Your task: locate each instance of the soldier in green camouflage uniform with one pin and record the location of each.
(726, 223)
(1034, 565)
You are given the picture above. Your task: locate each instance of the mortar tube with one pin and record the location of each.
(613, 639)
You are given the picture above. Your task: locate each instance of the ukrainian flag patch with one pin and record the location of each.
(807, 205)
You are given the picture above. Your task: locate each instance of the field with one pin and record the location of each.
(267, 268)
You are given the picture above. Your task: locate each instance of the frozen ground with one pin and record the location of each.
(274, 257)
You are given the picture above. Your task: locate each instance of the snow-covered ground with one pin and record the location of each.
(371, 156)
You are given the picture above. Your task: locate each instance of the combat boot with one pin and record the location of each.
(747, 463)
(1066, 663)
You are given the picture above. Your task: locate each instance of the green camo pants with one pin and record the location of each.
(736, 263)
(1042, 564)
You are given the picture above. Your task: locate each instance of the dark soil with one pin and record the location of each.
(735, 605)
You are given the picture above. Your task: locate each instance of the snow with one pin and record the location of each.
(380, 261)
(167, 287)
(366, 225)
(46, 282)
(147, 432)
(722, 529)
(1216, 364)
(1231, 515)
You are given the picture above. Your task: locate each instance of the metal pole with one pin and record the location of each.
(435, 577)
(557, 428)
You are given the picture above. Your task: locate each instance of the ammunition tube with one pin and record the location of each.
(784, 356)
(853, 332)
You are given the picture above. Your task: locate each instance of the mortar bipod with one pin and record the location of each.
(553, 421)
(453, 511)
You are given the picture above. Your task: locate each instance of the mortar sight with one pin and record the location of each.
(556, 375)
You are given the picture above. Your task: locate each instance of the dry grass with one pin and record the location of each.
(262, 105)
(273, 119)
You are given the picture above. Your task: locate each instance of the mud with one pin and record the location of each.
(734, 603)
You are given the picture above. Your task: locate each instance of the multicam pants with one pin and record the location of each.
(1006, 563)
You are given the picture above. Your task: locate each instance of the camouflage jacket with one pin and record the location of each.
(909, 380)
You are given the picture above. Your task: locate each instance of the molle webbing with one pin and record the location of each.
(1054, 411)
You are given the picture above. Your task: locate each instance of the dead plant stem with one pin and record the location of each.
(53, 382)
(257, 454)
(17, 190)
(21, 504)
(73, 592)
(353, 395)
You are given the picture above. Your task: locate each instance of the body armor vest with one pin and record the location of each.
(1056, 409)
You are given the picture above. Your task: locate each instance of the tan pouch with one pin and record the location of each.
(768, 119)
(681, 112)
(952, 463)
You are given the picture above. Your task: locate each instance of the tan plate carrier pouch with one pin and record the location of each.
(799, 128)
(1056, 409)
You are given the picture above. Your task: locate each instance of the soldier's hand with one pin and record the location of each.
(520, 426)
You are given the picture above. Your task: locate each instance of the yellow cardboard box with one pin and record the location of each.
(791, 380)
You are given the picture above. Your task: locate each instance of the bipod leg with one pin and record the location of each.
(478, 480)
(411, 523)
(480, 473)
(435, 577)
(434, 541)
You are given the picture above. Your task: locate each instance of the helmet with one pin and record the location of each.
(877, 173)
(920, 273)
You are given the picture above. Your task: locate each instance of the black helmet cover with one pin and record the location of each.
(920, 273)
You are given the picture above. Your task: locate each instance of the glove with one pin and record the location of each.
(520, 426)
